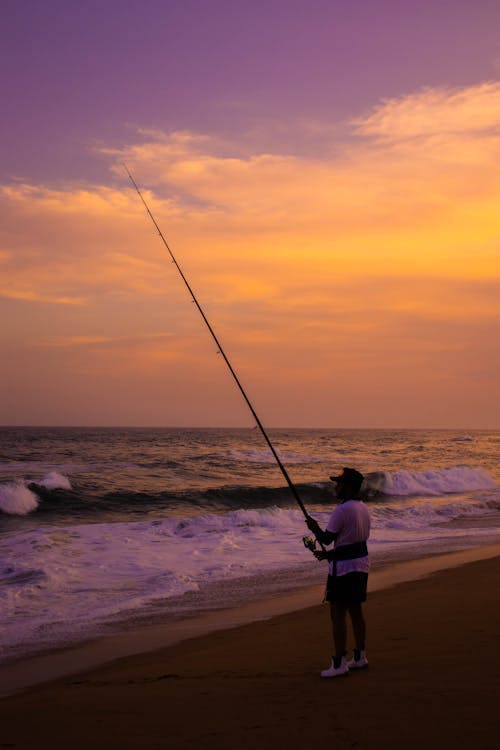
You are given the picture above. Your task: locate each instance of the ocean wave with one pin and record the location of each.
(60, 584)
(454, 479)
(17, 500)
(20, 498)
(54, 481)
(54, 497)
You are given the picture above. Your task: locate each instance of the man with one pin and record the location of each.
(349, 528)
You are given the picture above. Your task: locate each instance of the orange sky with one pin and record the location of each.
(354, 287)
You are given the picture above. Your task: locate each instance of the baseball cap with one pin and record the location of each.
(349, 475)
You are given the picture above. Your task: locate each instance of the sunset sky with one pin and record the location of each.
(327, 174)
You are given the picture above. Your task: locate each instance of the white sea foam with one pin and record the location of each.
(16, 499)
(64, 583)
(454, 479)
(53, 481)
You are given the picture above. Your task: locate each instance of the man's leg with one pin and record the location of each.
(338, 615)
(358, 625)
(339, 667)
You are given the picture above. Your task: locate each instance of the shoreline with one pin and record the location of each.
(433, 681)
(35, 671)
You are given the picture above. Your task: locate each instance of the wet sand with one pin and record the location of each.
(433, 681)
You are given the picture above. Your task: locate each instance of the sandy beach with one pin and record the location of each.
(433, 681)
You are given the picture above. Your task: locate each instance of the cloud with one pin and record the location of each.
(376, 258)
(436, 151)
(31, 296)
(435, 111)
(91, 341)
(256, 227)
(95, 200)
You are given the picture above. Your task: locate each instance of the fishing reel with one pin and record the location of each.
(309, 543)
(319, 554)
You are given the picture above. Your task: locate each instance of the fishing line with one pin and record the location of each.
(221, 351)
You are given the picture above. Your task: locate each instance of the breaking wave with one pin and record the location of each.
(454, 479)
(19, 498)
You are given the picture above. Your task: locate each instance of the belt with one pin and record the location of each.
(349, 551)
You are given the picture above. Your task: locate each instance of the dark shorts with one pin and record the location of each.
(348, 589)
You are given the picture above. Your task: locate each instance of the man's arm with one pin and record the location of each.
(325, 537)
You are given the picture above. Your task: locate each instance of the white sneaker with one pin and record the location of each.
(358, 663)
(334, 671)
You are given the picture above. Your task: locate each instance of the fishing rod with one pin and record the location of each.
(222, 352)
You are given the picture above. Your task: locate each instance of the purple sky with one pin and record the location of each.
(77, 71)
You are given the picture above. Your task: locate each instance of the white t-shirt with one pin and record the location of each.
(351, 521)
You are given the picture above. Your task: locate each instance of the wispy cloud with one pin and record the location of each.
(435, 111)
(91, 341)
(31, 296)
(384, 252)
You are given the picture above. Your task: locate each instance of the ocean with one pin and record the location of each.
(107, 529)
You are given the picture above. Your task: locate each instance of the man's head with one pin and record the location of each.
(348, 483)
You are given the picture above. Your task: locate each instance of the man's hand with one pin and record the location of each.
(313, 525)
(321, 554)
